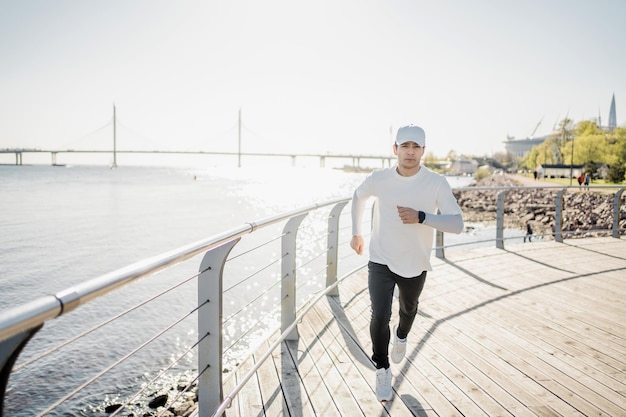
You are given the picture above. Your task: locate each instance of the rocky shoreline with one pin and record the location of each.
(584, 211)
(182, 407)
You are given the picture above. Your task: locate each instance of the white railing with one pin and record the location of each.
(303, 262)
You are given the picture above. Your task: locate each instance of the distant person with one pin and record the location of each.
(529, 233)
(581, 179)
(535, 174)
(408, 196)
(587, 179)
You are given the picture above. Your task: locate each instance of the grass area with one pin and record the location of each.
(604, 182)
(566, 182)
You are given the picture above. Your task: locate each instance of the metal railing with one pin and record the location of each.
(557, 232)
(323, 242)
(20, 324)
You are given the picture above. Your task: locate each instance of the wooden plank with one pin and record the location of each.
(603, 385)
(529, 304)
(229, 382)
(524, 390)
(482, 374)
(541, 367)
(564, 340)
(350, 360)
(274, 403)
(295, 396)
(612, 341)
(557, 326)
(325, 386)
(249, 399)
(477, 300)
(465, 304)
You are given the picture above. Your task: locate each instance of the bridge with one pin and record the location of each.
(356, 160)
(523, 329)
(90, 145)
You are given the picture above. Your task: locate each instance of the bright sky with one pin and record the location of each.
(324, 76)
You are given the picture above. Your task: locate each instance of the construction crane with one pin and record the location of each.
(535, 129)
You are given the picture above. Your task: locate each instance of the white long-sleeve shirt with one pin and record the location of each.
(405, 248)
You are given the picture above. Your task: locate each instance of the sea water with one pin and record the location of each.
(63, 225)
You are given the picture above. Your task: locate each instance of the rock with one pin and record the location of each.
(158, 401)
(582, 210)
(185, 409)
(112, 408)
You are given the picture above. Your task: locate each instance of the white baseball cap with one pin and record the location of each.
(411, 133)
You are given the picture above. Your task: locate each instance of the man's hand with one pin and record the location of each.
(408, 215)
(357, 244)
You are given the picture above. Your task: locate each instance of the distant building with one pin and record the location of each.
(559, 171)
(463, 166)
(520, 147)
(602, 170)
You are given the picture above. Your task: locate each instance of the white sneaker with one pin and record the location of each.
(383, 385)
(399, 347)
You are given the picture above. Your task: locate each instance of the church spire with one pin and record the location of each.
(612, 115)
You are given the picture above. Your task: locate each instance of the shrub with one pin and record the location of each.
(481, 173)
(616, 173)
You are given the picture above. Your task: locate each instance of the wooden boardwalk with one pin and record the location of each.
(538, 329)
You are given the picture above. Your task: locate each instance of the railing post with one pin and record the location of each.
(558, 216)
(439, 249)
(500, 220)
(210, 328)
(332, 252)
(10, 349)
(617, 201)
(288, 274)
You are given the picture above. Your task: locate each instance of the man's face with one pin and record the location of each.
(409, 154)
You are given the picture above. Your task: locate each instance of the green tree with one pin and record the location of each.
(617, 143)
(616, 173)
(545, 153)
(587, 128)
(586, 148)
(563, 139)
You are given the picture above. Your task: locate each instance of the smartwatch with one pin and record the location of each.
(422, 216)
